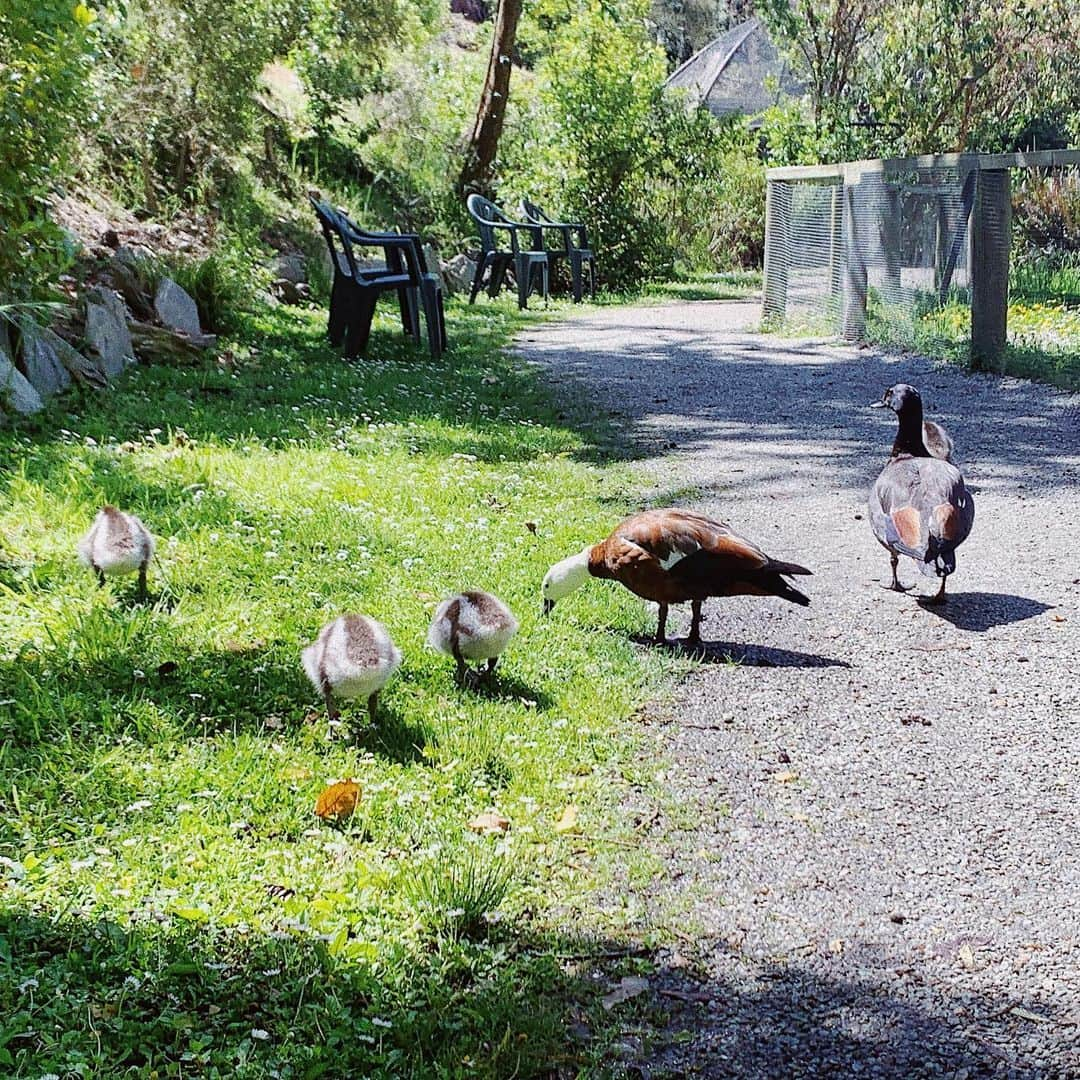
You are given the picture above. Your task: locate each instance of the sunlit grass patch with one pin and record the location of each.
(168, 899)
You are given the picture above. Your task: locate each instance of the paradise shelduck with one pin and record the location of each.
(919, 505)
(117, 543)
(472, 626)
(938, 441)
(673, 556)
(353, 657)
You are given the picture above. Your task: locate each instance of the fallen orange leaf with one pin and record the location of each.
(338, 801)
(489, 822)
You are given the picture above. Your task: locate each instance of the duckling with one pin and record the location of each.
(117, 543)
(919, 505)
(472, 626)
(353, 657)
(673, 556)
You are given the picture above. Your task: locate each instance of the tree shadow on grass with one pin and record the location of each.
(301, 999)
(980, 612)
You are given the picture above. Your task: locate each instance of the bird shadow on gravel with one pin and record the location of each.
(979, 612)
(733, 655)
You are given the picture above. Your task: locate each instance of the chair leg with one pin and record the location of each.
(498, 277)
(545, 280)
(478, 277)
(592, 278)
(575, 276)
(523, 272)
(335, 327)
(363, 311)
(410, 312)
(443, 340)
(432, 318)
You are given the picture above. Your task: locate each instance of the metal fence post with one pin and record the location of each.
(777, 231)
(991, 230)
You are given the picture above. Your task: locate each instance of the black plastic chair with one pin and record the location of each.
(527, 260)
(356, 290)
(576, 252)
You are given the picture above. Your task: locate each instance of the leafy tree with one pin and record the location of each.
(46, 47)
(602, 87)
(968, 75)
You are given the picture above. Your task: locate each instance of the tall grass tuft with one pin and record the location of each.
(459, 887)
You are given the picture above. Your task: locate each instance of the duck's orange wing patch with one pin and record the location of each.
(908, 526)
(338, 801)
(946, 520)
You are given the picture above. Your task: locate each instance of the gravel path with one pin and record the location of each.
(874, 859)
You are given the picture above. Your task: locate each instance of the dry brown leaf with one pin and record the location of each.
(489, 823)
(629, 987)
(785, 777)
(836, 946)
(1059, 618)
(338, 801)
(568, 821)
(967, 957)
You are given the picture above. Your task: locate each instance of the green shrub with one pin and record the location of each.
(1047, 213)
(45, 50)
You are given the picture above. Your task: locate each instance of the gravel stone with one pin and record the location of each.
(909, 904)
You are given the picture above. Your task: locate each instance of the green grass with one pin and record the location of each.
(169, 904)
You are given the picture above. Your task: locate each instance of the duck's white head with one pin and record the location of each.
(564, 577)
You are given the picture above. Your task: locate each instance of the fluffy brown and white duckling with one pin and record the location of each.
(472, 626)
(117, 543)
(353, 657)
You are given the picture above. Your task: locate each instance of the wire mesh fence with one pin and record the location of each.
(916, 253)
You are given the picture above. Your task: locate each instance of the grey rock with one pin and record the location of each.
(458, 273)
(291, 292)
(106, 330)
(130, 255)
(290, 267)
(85, 369)
(16, 393)
(40, 363)
(175, 308)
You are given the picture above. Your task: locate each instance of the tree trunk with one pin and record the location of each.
(484, 140)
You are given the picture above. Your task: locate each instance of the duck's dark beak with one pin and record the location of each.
(548, 605)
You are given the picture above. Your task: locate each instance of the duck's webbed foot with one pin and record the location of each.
(939, 597)
(894, 561)
(693, 639)
(661, 624)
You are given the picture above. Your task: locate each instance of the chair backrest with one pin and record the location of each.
(484, 212)
(335, 234)
(533, 212)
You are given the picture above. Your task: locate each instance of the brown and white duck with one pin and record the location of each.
(472, 626)
(919, 505)
(117, 543)
(675, 556)
(353, 657)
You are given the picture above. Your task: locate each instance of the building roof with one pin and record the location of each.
(741, 71)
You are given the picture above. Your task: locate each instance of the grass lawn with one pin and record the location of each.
(169, 903)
